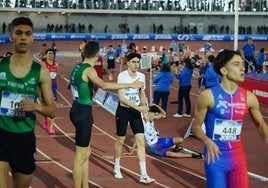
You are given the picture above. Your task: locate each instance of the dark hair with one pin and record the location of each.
(211, 58)
(133, 55)
(188, 63)
(91, 49)
(154, 109)
(21, 21)
(50, 50)
(131, 45)
(222, 58)
(165, 67)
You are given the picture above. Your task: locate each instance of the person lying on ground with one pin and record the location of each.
(161, 146)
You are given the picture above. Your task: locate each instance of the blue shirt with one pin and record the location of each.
(211, 77)
(249, 50)
(185, 77)
(163, 81)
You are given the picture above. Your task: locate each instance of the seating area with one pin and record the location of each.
(147, 5)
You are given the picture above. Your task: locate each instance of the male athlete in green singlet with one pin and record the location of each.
(21, 79)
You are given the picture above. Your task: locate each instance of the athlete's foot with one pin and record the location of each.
(117, 174)
(146, 180)
(51, 131)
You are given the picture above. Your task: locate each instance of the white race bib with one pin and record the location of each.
(10, 104)
(227, 130)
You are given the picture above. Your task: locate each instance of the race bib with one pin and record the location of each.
(75, 93)
(10, 104)
(53, 75)
(227, 130)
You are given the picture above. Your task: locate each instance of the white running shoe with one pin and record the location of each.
(117, 174)
(146, 180)
(177, 115)
(186, 115)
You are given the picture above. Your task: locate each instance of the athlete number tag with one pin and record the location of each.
(227, 130)
(75, 93)
(53, 75)
(10, 104)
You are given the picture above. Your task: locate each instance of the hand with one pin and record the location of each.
(213, 152)
(143, 109)
(137, 84)
(27, 104)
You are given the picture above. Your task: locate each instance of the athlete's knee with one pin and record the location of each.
(120, 140)
(178, 140)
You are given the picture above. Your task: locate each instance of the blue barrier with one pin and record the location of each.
(105, 36)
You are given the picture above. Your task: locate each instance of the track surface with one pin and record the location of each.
(55, 154)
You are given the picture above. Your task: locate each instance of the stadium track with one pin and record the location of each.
(55, 153)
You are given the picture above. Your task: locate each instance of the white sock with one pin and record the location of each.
(117, 163)
(143, 168)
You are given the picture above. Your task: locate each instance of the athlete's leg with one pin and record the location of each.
(139, 138)
(80, 168)
(118, 145)
(4, 169)
(21, 180)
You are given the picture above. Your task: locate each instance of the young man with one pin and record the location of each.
(111, 56)
(52, 67)
(164, 147)
(21, 80)
(223, 109)
(82, 80)
(249, 53)
(131, 103)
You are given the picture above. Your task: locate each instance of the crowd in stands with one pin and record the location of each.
(151, 5)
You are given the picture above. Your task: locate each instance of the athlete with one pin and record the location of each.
(161, 146)
(52, 67)
(223, 109)
(82, 80)
(132, 102)
(21, 80)
(111, 56)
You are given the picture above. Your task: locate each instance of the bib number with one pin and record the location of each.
(10, 104)
(227, 130)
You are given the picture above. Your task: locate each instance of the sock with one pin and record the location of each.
(117, 163)
(143, 168)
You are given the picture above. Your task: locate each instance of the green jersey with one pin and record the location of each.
(82, 91)
(13, 90)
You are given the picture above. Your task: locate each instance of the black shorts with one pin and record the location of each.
(111, 64)
(81, 117)
(126, 115)
(18, 149)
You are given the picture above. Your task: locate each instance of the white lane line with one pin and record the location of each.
(64, 167)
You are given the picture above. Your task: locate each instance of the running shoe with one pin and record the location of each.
(51, 131)
(117, 174)
(197, 155)
(146, 180)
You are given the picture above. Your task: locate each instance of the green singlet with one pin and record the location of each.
(82, 91)
(13, 90)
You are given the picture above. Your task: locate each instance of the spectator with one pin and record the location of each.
(260, 59)
(163, 81)
(211, 77)
(184, 75)
(248, 54)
